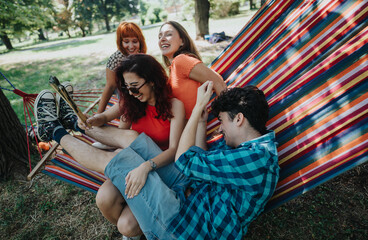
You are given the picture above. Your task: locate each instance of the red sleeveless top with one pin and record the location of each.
(157, 129)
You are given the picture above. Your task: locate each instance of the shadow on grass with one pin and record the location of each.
(35, 44)
(63, 45)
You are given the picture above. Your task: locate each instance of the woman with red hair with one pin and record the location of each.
(129, 40)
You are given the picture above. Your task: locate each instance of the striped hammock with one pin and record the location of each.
(310, 59)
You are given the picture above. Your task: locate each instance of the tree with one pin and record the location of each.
(17, 17)
(143, 9)
(84, 12)
(201, 17)
(8, 18)
(114, 8)
(13, 142)
(64, 16)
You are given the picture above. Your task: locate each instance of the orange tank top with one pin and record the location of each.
(184, 88)
(157, 129)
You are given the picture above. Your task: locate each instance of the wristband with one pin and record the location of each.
(153, 164)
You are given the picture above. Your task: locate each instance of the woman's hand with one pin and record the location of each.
(97, 120)
(136, 179)
(82, 124)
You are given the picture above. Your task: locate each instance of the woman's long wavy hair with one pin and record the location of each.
(188, 44)
(130, 29)
(148, 68)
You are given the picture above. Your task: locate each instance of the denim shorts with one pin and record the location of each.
(160, 199)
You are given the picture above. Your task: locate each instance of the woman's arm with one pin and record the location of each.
(108, 90)
(137, 177)
(201, 73)
(100, 119)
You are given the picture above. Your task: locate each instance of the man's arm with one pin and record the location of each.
(188, 137)
(200, 140)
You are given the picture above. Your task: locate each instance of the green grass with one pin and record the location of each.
(49, 209)
(32, 78)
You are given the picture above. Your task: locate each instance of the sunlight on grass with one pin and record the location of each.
(82, 72)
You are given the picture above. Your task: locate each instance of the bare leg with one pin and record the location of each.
(112, 136)
(127, 224)
(90, 157)
(110, 201)
(111, 204)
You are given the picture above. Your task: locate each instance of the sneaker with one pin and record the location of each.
(66, 114)
(46, 115)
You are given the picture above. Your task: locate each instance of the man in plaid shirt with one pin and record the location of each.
(230, 182)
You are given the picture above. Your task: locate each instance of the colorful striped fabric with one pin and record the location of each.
(310, 58)
(65, 168)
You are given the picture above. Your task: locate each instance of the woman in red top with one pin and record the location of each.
(187, 71)
(146, 105)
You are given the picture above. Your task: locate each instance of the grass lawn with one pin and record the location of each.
(46, 208)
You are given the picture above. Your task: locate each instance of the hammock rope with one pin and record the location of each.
(28, 102)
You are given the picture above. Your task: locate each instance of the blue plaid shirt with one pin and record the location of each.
(230, 188)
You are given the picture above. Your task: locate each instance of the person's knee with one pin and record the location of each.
(128, 226)
(107, 196)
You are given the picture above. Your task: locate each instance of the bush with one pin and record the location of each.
(222, 9)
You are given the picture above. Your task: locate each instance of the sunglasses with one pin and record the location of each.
(134, 90)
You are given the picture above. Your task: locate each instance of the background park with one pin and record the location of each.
(73, 40)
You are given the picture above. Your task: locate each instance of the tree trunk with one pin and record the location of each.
(13, 143)
(202, 15)
(68, 33)
(41, 36)
(4, 37)
(252, 4)
(106, 18)
(83, 31)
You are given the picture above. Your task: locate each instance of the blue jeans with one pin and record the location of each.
(160, 199)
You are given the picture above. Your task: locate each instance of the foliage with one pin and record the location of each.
(143, 9)
(221, 8)
(84, 12)
(64, 17)
(19, 16)
(107, 9)
(153, 13)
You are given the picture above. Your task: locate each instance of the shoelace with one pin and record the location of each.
(49, 110)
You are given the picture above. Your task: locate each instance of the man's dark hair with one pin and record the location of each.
(249, 100)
